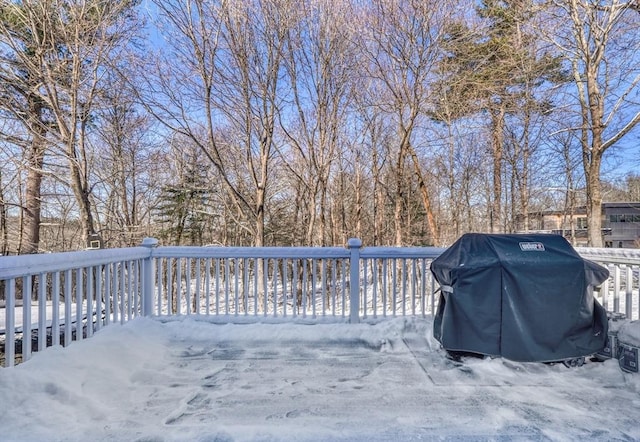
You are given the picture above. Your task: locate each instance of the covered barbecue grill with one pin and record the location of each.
(523, 297)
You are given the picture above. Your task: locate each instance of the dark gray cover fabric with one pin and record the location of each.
(523, 297)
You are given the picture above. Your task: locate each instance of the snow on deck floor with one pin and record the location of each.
(191, 380)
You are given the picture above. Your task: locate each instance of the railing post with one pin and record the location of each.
(354, 245)
(147, 277)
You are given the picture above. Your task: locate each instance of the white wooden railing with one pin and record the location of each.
(74, 294)
(620, 292)
(351, 283)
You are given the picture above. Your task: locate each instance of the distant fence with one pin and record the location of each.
(74, 294)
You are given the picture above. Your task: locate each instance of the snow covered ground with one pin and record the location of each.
(193, 380)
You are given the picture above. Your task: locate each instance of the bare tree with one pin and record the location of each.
(601, 46)
(320, 64)
(20, 101)
(227, 62)
(402, 48)
(4, 233)
(58, 48)
(123, 166)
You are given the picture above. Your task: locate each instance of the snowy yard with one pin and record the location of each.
(193, 380)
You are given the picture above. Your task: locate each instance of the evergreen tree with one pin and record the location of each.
(495, 67)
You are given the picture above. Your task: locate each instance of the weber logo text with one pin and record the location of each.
(532, 247)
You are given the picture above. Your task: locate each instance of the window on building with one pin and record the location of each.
(582, 222)
(624, 218)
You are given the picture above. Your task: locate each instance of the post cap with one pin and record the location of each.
(353, 243)
(149, 242)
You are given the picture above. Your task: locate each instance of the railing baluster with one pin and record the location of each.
(374, 287)
(217, 286)
(264, 263)
(68, 286)
(245, 285)
(207, 286)
(179, 285)
(385, 263)
(365, 288)
(414, 284)
(294, 285)
(313, 263)
(10, 323)
(123, 292)
(188, 284)
(275, 288)
(99, 272)
(79, 305)
(42, 311)
(159, 286)
(604, 292)
(170, 293)
(135, 293)
(344, 290)
(131, 278)
(198, 292)
(422, 287)
(26, 317)
(259, 268)
(628, 306)
(227, 285)
(285, 275)
(55, 311)
(233, 284)
(324, 286)
(108, 293)
(89, 293)
(304, 288)
(392, 275)
(334, 286)
(616, 288)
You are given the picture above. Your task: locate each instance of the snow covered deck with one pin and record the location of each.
(189, 380)
(350, 283)
(169, 359)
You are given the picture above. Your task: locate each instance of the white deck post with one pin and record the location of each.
(354, 245)
(147, 277)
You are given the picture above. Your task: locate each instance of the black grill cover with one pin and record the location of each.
(523, 297)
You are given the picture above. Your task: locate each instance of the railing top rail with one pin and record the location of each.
(401, 252)
(26, 265)
(250, 252)
(609, 255)
(294, 252)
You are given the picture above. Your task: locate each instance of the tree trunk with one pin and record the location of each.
(426, 198)
(497, 138)
(79, 180)
(4, 235)
(399, 198)
(32, 208)
(594, 197)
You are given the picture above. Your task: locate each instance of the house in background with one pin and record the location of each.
(623, 219)
(620, 224)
